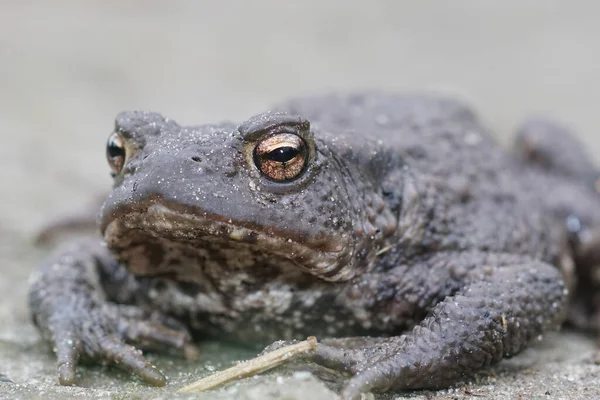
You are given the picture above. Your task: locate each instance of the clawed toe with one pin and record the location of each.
(130, 359)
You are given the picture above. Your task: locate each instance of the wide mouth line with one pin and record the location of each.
(155, 207)
(168, 220)
(160, 219)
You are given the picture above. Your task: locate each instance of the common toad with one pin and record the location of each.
(392, 227)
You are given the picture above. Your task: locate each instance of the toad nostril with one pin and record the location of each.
(196, 158)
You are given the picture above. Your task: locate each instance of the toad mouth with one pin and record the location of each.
(327, 259)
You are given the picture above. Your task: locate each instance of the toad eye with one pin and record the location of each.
(281, 157)
(115, 152)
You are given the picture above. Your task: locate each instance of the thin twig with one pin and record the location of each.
(252, 367)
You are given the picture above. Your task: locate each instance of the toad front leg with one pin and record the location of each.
(70, 301)
(501, 304)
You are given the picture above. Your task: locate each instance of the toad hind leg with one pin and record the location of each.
(70, 304)
(553, 147)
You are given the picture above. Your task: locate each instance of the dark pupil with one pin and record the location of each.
(114, 150)
(282, 154)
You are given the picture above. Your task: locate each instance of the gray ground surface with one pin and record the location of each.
(67, 67)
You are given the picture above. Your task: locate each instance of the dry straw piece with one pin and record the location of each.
(252, 367)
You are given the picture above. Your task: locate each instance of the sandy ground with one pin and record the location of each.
(67, 67)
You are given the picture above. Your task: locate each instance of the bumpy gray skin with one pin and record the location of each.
(408, 223)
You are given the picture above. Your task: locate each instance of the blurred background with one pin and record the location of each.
(68, 67)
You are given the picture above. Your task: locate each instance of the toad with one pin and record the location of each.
(390, 226)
